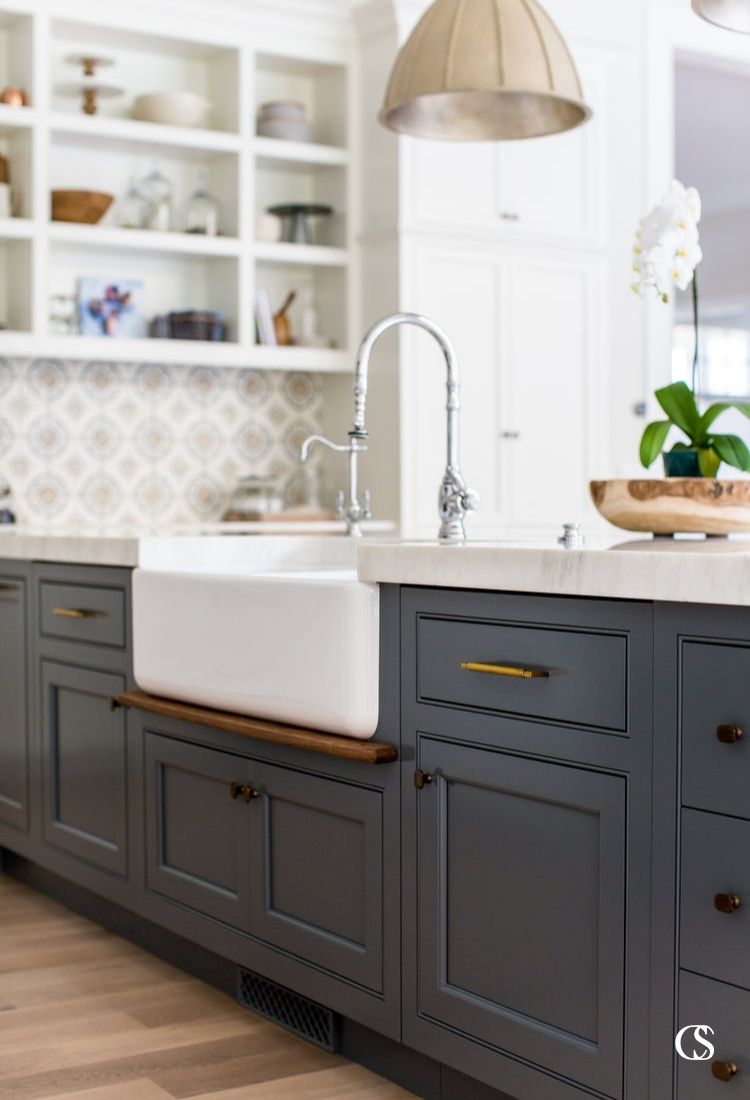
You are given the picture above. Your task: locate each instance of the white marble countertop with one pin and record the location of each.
(684, 570)
(129, 547)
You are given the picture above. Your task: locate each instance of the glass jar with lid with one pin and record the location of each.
(254, 497)
(203, 212)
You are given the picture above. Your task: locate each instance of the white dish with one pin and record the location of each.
(284, 129)
(172, 108)
(287, 108)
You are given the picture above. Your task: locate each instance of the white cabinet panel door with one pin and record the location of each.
(449, 184)
(461, 291)
(552, 391)
(553, 188)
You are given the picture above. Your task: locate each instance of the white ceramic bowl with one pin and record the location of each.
(284, 129)
(268, 227)
(284, 108)
(172, 108)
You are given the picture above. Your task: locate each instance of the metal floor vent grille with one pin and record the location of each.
(302, 1017)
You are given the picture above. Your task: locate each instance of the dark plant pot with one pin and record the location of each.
(681, 464)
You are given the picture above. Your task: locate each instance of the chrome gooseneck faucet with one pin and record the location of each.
(454, 499)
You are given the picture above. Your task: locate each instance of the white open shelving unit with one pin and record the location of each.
(52, 144)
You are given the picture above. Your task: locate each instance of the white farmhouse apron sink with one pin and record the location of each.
(276, 628)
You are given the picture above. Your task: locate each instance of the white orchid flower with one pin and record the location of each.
(667, 244)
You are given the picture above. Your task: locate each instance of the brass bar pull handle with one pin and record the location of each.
(421, 779)
(235, 790)
(729, 735)
(249, 793)
(724, 1071)
(9, 587)
(727, 903)
(512, 671)
(73, 613)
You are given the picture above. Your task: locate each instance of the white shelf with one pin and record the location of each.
(141, 240)
(307, 255)
(274, 151)
(129, 351)
(141, 134)
(16, 229)
(190, 352)
(321, 360)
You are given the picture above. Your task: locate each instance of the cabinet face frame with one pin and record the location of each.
(15, 590)
(630, 758)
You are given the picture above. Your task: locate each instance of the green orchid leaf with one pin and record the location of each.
(714, 412)
(708, 462)
(653, 440)
(732, 450)
(679, 404)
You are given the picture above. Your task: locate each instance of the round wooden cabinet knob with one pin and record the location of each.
(729, 735)
(727, 903)
(724, 1071)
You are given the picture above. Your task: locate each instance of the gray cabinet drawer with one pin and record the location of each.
(726, 1009)
(716, 773)
(715, 861)
(82, 613)
(580, 676)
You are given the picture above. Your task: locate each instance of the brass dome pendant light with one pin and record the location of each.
(732, 15)
(484, 70)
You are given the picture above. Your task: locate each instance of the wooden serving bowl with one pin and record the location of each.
(675, 505)
(84, 207)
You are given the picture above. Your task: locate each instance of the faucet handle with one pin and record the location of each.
(366, 513)
(470, 500)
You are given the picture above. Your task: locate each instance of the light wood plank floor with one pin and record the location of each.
(85, 1015)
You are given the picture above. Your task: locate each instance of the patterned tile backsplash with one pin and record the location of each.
(95, 444)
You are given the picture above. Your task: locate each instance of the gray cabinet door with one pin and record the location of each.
(14, 716)
(196, 832)
(84, 765)
(316, 860)
(521, 908)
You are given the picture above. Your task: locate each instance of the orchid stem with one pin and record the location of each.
(696, 326)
